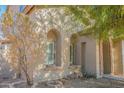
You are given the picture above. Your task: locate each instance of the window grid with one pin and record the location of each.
(51, 53)
(72, 54)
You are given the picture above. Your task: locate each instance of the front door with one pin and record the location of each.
(106, 58)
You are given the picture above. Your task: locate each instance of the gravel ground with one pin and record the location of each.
(88, 83)
(69, 83)
(93, 83)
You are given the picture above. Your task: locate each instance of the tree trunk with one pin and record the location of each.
(23, 64)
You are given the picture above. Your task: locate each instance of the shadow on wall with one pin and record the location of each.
(6, 72)
(46, 75)
(43, 73)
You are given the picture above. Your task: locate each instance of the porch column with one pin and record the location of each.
(99, 59)
(123, 55)
(112, 56)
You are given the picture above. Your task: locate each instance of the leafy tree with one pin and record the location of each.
(109, 20)
(108, 26)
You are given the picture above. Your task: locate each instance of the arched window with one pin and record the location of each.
(52, 48)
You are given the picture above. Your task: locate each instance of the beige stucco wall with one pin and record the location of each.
(90, 54)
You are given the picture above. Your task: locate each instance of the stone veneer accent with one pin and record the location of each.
(55, 18)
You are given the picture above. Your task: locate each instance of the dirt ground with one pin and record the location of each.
(89, 83)
(69, 83)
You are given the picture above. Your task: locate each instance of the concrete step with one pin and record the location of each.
(114, 77)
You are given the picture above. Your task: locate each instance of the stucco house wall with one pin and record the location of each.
(90, 54)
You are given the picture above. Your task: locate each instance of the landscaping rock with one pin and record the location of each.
(54, 84)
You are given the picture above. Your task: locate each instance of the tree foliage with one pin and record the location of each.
(109, 20)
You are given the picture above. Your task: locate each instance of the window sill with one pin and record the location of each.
(53, 68)
(74, 66)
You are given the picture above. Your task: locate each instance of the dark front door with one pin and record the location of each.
(106, 58)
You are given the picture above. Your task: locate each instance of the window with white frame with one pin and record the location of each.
(73, 49)
(53, 46)
(72, 54)
(51, 53)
